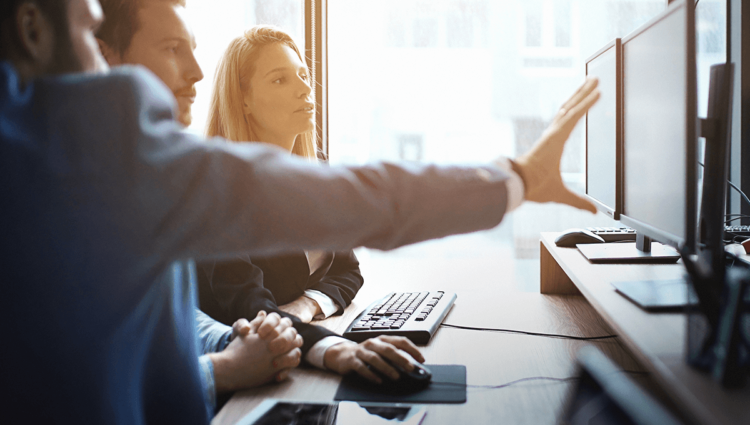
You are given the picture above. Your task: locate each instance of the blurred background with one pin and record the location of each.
(454, 82)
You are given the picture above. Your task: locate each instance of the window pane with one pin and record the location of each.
(534, 23)
(562, 23)
(217, 22)
(464, 81)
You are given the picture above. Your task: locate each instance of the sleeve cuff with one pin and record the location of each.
(207, 370)
(327, 305)
(316, 355)
(514, 184)
(213, 336)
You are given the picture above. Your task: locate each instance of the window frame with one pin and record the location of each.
(316, 55)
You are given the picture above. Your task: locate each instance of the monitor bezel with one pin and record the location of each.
(613, 212)
(691, 112)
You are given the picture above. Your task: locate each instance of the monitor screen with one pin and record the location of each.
(602, 132)
(659, 119)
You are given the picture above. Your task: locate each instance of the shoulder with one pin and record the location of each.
(124, 90)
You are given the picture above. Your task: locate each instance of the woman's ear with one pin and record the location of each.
(246, 104)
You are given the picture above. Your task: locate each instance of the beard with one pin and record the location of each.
(65, 59)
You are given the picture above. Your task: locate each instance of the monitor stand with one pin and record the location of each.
(658, 295)
(643, 250)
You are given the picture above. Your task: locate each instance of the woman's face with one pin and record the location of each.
(278, 104)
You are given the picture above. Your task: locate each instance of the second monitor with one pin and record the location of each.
(658, 155)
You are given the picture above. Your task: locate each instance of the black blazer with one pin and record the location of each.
(240, 288)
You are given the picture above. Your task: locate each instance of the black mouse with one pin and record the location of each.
(408, 382)
(571, 237)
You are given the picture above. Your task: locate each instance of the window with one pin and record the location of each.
(215, 24)
(465, 81)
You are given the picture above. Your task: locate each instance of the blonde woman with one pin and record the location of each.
(262, 92)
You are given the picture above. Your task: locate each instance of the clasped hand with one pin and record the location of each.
(264, 349)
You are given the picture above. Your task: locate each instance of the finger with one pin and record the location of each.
(583, 91)
(406, 345)
(267, 329)
(577, 201)
(284, 323)
(255, 323)
(360, 367)
(288, 360)
(391, 353)
(240, 328)
(298, 341)
(578, 111)
(371, 357)
(283, 375)
(283, 342)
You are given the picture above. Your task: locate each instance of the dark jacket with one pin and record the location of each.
(103, 191)
(230, 290)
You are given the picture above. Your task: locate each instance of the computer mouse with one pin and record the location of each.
(572, 237)
(408, 382)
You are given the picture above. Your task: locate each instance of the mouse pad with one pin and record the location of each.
(448, 385)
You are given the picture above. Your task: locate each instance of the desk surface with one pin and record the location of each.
(657, 339)
(485, 299)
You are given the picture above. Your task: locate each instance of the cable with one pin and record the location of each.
(733, 219)
(738, 190)
(495, 387)
(744, 197)
(579, 338)
(532, 378)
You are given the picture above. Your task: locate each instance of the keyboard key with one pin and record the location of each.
(402, 313)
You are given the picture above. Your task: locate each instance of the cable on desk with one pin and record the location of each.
(532, 378)
(579, 338)
(517, 381)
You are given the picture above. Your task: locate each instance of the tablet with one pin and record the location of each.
(279, 412)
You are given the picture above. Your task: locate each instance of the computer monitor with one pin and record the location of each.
(659, 128)
(603, 131)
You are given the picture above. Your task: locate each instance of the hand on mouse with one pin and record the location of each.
(539, 168)
(348, 356)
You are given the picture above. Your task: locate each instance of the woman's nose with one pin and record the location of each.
(305, 89)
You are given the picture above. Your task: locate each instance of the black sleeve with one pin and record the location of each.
(230, 290)
(343, 279)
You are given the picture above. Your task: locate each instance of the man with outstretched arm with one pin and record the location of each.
(104, 197)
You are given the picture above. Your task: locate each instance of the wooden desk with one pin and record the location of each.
(485, 299)
(657, 340)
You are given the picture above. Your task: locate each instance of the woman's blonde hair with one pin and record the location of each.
(226, 116)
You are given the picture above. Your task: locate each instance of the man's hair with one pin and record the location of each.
(121, 22)
(54, 10)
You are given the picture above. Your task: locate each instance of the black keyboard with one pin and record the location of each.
(739, 231)
(613, 234)
(415, 315)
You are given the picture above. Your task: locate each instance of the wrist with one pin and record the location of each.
(223, 376)
(310, 305)
(332, 356)
(518, 169)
